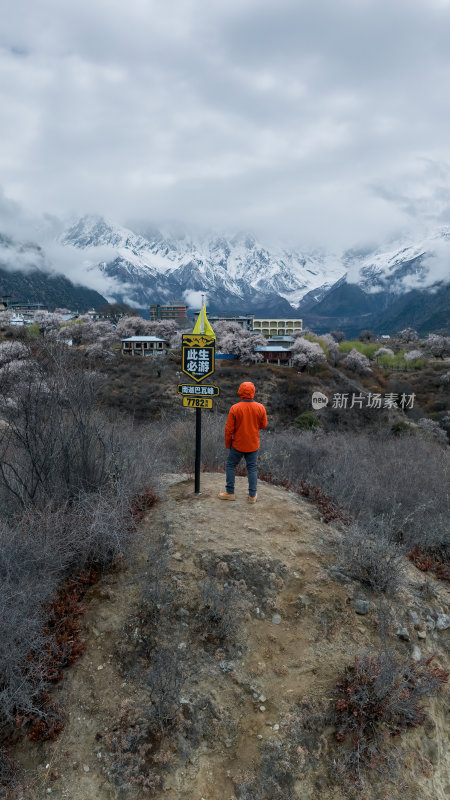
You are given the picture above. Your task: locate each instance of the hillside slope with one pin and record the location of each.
(50, 289)
(277, 555)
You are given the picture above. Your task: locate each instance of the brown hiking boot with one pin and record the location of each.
(253, 499)
(226, 496)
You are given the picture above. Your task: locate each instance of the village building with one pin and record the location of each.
(144, 346)
(176, 311)
(284, 341)
(276, 354)
(276, 326)
(244, 320)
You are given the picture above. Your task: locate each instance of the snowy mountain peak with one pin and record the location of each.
(239, 273)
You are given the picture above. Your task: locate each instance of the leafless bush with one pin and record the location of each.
(55, 444)
(284, 761)
(397, 481)
(432, 429)
(378, 697)
(158, 593)
(134, 758)
(164, 680)
(29, 576)
(222, 611)
(367, 555)
(276, 775)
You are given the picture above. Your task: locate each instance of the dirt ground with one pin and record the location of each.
(299, 630)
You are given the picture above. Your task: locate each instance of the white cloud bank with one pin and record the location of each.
(319, 123)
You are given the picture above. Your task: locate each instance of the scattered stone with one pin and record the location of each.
(442, 622)
(416, 654)
(182, 612)
(226, 666)
(107, 594)
(276, 727)
(182, 646)
(421, 634)
(177, 556)
(100, 667)
(430, 623)
(262, 709)
(259, 736)
(337, 575)
(276, 619)
(85, 768)
(361, 606)
(255, 695)
(228, 742)
(414, 617)
(99, 755)
(403, 634)
(259, 614)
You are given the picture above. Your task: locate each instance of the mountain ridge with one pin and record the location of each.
(372, 287)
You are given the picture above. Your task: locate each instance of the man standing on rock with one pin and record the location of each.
(245, 420)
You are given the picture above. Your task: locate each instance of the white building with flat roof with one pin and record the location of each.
(144, 345)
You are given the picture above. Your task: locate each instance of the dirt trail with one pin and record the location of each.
(304, 633)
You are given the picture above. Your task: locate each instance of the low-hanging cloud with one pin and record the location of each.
(194, 299)
(29, 242)
(83, 266)
(305, 121)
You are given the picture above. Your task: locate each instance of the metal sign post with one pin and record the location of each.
(198, 448)
(198, 350)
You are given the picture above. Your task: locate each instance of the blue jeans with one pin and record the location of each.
(251, 462)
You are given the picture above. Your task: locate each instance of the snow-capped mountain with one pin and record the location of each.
(383, 287)
(236, 272)
(405, 265)
(388, 289)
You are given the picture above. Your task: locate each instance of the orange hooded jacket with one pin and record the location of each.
(245, 420)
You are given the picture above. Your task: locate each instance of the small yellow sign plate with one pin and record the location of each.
(198, 402)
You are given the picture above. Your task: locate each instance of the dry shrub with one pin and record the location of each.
(132, 759)
(377, 698)
(141, 503)
(425, 564)
(367, 555)
(222, 611)
(395, 481)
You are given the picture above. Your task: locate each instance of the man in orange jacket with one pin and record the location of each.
(245, 420)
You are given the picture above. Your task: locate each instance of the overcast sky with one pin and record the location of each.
(314, 121)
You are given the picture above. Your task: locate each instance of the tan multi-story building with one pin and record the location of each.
(276, 326)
